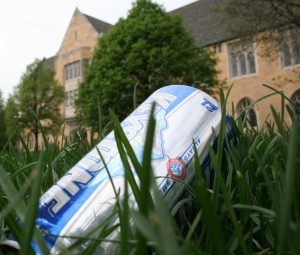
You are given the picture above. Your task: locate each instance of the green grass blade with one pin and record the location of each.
(162, 218)
(135, 162)
(15, 200)
(146, 177)
(284, 215)
(23, 170)
(100, 125)
(124, 220)
(120, 139)
(93, 238)
(280, 125)
(209, 214)
(193, 227)
(278, 92)
(10, 219)
(255, 208)
(42, 130)
(146, 227)
(32, 208)
(24, 144)
(134, 99)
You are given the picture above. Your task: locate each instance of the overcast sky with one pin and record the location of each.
(33, 29)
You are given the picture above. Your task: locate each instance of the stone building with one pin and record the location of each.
(244, 65)
(73, 57)
(247, 70)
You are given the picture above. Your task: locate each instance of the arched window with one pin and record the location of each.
(247, 112)
(287, 61)
(234, 67)
(297, 53)
(241, 59)
(251, 61)
(296, 100)
(243, 67)
(290, 49)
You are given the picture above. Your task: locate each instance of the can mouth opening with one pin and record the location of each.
(9, 247)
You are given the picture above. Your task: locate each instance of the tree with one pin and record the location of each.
(3, 137)
(248, 18)
(40, 97)
(147, 50)
(11, 117)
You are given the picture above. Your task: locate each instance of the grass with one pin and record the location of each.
(253, 206)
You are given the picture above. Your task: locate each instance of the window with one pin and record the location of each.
(247, 112)
(297, 53)
(78, 70)
(71, 97)
(217, 47)
(234, 66)
(290, 49)
(251, 62)
(72, 70)
(241, 59)
(286, 55)
(85, 64)
(296, 101)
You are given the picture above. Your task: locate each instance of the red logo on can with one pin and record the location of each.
(176, 169)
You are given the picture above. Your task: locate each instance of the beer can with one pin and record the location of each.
(84, 196)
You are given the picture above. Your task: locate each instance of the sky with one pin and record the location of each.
(34, 29)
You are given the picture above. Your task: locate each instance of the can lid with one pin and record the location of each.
(176, 169)
(9, 247)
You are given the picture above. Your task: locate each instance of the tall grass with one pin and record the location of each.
(253, 206)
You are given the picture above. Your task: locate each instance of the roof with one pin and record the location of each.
(99, 25)
(204, 22)
(49, 63)
(200, 18)
(210, 24)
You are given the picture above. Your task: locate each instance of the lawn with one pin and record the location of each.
(253, 206)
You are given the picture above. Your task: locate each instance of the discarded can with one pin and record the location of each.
(84, 196)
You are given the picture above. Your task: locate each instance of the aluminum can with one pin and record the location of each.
(84, 196)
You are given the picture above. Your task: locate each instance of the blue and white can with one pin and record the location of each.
(84, 196)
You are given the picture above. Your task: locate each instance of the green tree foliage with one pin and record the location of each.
(2, 123)
(147, 50)
(259, 14)
(11, 116)
(40, 97)
(246, 18)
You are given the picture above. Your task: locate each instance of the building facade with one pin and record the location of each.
(242, 65)
(245, 66)
(73, 57)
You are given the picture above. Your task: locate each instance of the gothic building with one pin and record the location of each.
(239, 64)
(244, 65)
